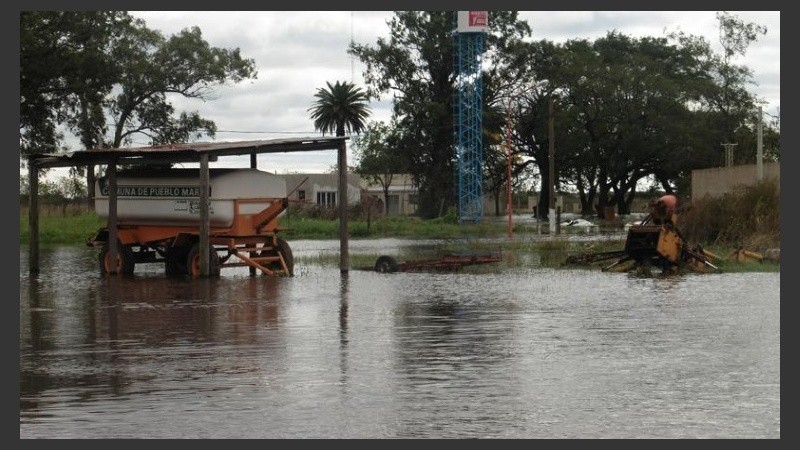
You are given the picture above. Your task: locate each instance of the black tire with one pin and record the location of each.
(193, 262)
(386, 264)
(125, 259)
(281, 248)
(175, 261)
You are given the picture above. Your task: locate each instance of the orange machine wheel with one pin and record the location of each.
(281, 248)
(125, 260)
(193, 262)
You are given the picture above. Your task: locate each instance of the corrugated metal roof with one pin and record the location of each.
(183, 152)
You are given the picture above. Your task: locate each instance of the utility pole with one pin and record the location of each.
(352, 61)
(551, 213)
(729, 154)
(760, 145)
(509, 206)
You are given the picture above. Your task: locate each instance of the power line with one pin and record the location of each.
(266, 132)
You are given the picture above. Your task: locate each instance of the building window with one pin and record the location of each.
(326, 199)
(301, 195)
(393, 207)
(413, 199)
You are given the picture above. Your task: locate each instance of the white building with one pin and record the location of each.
(321, 189)
(402, 198)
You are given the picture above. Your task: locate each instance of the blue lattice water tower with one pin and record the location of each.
(469, 42)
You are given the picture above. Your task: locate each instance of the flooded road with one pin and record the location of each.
(513, 351)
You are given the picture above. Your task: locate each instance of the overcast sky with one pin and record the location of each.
(298, 52)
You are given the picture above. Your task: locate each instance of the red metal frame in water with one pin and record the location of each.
(446, 262)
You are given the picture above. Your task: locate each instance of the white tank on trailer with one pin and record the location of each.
(171, 197)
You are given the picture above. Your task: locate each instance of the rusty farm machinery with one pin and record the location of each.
(655, 243)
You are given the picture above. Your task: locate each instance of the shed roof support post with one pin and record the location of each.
(33, 217)
(205, 222)
(344, 233)
(113, 239)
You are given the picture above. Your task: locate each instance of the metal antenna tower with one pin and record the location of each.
(469, 41)
(352, 61)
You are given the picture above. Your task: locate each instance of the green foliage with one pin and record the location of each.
(65, 188)
(379, 156)
(66, 70)
(553, 252)
(62, 229)
(340, 108)
(387, 226)
(748, 217)
(450, 217)
(152, 66)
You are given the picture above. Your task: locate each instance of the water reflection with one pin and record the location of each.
(519, 351)
(343, 339)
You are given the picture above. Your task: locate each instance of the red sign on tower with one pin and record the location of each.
(478, 18)
(473, 21)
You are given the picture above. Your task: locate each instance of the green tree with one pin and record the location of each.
(66, 72)
(340, 108)
(378, 157)
(728, 105)
(153, 67)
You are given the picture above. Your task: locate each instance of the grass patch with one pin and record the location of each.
(66, 229)
(748, 217)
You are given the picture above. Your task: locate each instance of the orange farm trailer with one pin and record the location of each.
(158, 221)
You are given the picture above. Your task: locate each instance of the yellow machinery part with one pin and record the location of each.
(741, 255)
(669, 245)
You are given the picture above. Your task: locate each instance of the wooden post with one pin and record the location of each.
(113, 238)
(344, 253)
(205, 222)
(253, 165)
(558, 220)
(33, 217)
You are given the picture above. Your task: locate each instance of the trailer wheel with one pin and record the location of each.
(125, 260)
(386, 264)
(281, 248)
(175, 261)
(193, 262)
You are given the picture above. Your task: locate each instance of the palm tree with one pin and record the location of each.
(341, 107)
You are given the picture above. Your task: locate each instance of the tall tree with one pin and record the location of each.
(379, 161)
(66, 72)
(340, 108)
(153, 67)
(728, 104)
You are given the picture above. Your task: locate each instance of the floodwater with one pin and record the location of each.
(510, 351)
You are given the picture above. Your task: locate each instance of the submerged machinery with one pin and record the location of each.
(656, 242)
